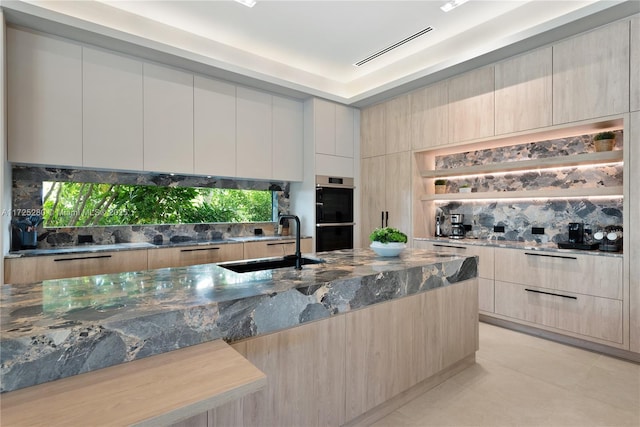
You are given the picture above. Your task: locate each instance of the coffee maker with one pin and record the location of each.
(457, 228)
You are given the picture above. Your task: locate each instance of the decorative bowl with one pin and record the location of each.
(387, 249)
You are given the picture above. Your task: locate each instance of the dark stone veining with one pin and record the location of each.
(59, 328)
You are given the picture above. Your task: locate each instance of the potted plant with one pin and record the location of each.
(604, 141)
(387, 241)
(441, 186)
(465, 188)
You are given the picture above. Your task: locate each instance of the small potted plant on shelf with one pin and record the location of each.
(387, 241)
(465, 188)
(604, 141)
(441, 186)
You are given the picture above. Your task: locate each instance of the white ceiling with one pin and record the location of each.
(311, 46)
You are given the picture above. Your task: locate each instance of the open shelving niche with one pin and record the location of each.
(425, 173)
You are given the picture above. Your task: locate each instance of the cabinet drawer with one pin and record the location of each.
(275, 248)
(581, 314)
(193, 255)
(36, 269)
(485, 254)
(585, 274)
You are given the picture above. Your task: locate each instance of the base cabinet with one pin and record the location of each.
(275, 248)
(36, 269)
(193, 255)
(333, 371)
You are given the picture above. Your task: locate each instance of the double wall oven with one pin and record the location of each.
(334, 213)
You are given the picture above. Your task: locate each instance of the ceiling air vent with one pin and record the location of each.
(393, 46)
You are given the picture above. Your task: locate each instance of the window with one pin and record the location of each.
(72, 204)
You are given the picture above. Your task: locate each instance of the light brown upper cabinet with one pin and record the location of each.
(635, 64)
(168, 120)
(523, 92)
(471, 105)
(372, 132)
(44, 88)
(112, 111)
(591, 74)
(430, 116)
(397, 129)
(214, 127)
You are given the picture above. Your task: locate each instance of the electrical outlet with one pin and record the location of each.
(85, 238)
(498, 228)
(537, 230)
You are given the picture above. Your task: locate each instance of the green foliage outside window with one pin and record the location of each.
(71, 204)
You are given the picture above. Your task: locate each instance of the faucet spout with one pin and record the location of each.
(298, 254)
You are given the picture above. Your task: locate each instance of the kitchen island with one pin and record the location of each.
(60, 328)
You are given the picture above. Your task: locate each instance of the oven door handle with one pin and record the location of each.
(335, 224)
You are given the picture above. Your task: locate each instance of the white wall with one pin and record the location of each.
(5, 168)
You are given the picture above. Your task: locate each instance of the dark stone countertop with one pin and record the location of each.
(94, 248)
(58, 328)
(529, 246)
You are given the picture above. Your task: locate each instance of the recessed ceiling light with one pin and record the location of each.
(450, 5)
(249, 3)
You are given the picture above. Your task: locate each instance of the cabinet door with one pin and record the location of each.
(324, 126)
(44, 95)
(287, 139)
(168, 120)
(214, 127)
(193, 255)
(344, 131)
(372, 195)
(430, 116)
(334, 165)
(634, 48)
(471, 105)
(397, 173)
(253, 130)
(523, 92)
(397, 119)
(264, 249)
(591, 74)
(633, 235)
(372, 131)
(111, 111)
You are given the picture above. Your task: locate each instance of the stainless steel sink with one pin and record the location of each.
(267, 264)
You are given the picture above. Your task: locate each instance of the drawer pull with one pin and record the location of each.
(278, 244)
(550, 293)
(551, 256)
(449, 246)
(199, 249)
(81, 258)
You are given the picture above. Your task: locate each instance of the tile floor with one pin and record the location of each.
(520, 380)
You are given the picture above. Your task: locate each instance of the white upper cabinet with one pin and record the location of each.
(523, 92)
(288, 136)
(44, 85)
(112, 111)
(634, 49)
(254, 134)
(591, 74)
(168, 120)
(333, 128)
(345, 122)
(471, 105)
(214, 127)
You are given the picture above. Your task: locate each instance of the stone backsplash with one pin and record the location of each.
(27, 195)
(519, 216)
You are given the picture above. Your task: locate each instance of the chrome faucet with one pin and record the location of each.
(298, 254)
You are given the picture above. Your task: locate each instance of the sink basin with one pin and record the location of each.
(267, 264)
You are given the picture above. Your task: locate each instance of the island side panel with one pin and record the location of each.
(396, 345)
(305, 378)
